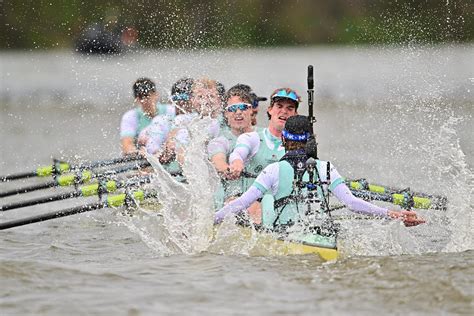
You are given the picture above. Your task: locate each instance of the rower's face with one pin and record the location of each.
(148, 103)
(280, 111)
(206, 101)
(240, 120)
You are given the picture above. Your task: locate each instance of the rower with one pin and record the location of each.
(135, 120)
(299, 179)
(154, 135)
(205, 101)
(256, 150)
(254, 99)
(238, 119)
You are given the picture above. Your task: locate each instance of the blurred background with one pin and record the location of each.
(67, 67)
(222, 23)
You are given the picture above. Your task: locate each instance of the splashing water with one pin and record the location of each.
(187, 209)
(458, 177)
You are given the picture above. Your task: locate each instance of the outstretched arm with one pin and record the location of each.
(239, 205)
(128, 131)
(357, 205)
(246, 146)
(217, 151)
(266, 181)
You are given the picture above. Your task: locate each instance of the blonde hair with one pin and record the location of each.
(204, 83)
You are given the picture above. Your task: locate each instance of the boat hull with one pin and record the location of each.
(295, 244)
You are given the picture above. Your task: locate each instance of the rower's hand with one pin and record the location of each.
(409, 218)
(225, 173)
(236, 168)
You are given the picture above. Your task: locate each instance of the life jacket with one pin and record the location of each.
(269, 151)
(297, 196)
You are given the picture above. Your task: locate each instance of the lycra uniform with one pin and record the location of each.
(257, 150)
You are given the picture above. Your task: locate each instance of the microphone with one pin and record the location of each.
(310, 77)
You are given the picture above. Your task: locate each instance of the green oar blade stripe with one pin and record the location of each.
(93, 189)
(119, 199)
(419, 202)
(356, 185)
(376, 188)
(48, 170)
(69, 179)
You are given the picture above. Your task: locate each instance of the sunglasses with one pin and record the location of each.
(180, 97)
(238, 106)
(283, 94)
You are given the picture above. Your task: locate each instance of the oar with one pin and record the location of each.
(70, 179)
(111, 201)
(363, 184)
(84, 191)
(60, 167)
(405, 199)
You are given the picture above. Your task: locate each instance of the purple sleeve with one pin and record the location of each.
(129, 124)
(238, 205)
(157, 133)
(357, 205)
(239, 153)
(181, 137)
(244, 145)
(218, 145)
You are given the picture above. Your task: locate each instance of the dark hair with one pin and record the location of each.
(182, 86)
(240, 91)
(220, 90)
(143, 87)
(254, 99)
(298, 124)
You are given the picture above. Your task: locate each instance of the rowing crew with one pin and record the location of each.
(268, 164)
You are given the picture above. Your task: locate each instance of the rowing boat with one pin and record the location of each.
(298, 244)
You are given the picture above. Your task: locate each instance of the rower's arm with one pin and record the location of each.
(128, 145)
(344, 194)
(266, 180)
(128, 132)
(157, 134)
(239, 205)
(245, 147)
(220, 163)
(357, 205)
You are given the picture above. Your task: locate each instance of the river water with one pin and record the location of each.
(398, 116)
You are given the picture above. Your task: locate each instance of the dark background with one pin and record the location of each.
(192, 24)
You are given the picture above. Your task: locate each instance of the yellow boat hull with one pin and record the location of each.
(270, 244)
